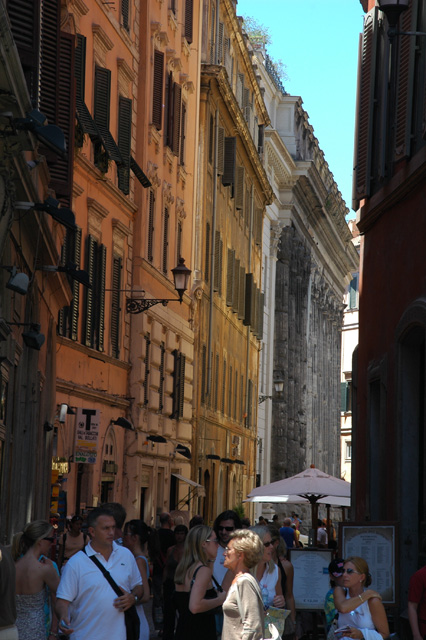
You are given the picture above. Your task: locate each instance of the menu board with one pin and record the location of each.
(376, 544)
(311, 581)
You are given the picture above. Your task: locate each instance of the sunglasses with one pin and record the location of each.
(349, 571)
(215, 540)
(226, 528)
(49, 539)
(267, 544)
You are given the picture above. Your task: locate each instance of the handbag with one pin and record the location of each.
(131, 617)
(272, 632)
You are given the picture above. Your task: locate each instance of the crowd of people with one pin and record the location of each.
(215, 582)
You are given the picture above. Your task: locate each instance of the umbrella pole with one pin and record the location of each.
(314, 510)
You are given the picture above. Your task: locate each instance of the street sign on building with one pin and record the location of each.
(86, 439)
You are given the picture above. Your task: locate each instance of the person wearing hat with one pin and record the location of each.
(71, 541)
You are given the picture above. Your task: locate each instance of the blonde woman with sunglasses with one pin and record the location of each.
(361, 611)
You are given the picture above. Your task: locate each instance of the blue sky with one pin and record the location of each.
(318, 42)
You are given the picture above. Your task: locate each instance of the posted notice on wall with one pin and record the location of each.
(87, 433)
(376, 544)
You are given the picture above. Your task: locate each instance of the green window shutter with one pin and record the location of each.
(182, 135)
(75, 304)
(177, 103)
(230, 160)
(157, 93)
(216, 383)
(220, 46)
(90, 293)
(223, 387)
(236, 286)
(188, 26)
(115, 306)
(217, 273)
(353, 293)
(239, 188)
(242, 294)
(125, 9)
(344, 396)
(181, 383)
(162, 376)
(168, 110)
(249, 302)
(235, 395)
(260, 316)
(151, 221)
(211, 139)
(24, 19)
(207, 256)
(165, 252)
(178, 384)
(102, 97)
(203, 373)
(84, 118)
(147, 366)
(100, 289)
(230, 278)
(49, 59)
(250, 404)
(230, 381)
(220, 151)
(124, 142)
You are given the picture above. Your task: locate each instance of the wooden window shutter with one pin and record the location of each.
(85, 120)
(230, 160)
(216, 383)
(177, 101)
(24, 19)
(249, 302)
(179, 232)
(203, 373)
(366, 75)
(90, 293)
(218, 250)
(168, 109)
(75, 304)
(49, 60)
(230, 278)
(147, 366)
(157, 92)
(239, 188)
(125, 14)
(189, 11)
(124, 142)
(178, 385)
(242, 294)
(344, 386)
(211, 139)
(223, 387)
(241, 397)
(151, 221)
(249, 404)
(236, 286)
(181, 384)
(207, 256)
(100, 289)
(353, 293)
(220, 151)
(182, 135)
(212, 26)
(165, 252)
(260, 315)
(61, 170)
(240, 90)
(162, 377)
(235, 396)
(221, 44)
(102, 97)
(230, 381)
(404, 96)
(115, 306)
(260, 137)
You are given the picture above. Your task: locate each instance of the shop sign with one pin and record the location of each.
(86, 441)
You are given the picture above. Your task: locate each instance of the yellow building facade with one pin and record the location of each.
(232, 192)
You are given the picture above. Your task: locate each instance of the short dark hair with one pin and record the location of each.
(118, 512)
(227, 515)
(96, 513)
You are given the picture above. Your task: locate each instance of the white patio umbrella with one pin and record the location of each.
(312, 485)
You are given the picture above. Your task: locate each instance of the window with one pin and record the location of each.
(207, 256)
(151, 219)
(102, 118)
(188, 20)
(348, 450)
(161, 384)
(346, 396)
(68, 316)
(147, 365)
(178, 384)
(353, 292)
(218, 252)
(95, 297)
(157, 93)
(125, 14)
(115, 307)
(165, 251)
(182, 135)
(124, 142)
(203, 373)
(173, 114)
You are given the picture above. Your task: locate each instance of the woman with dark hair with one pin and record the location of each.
(34, 572)
(361, 612)
(286, 576)
(140, 538)
(196, 598)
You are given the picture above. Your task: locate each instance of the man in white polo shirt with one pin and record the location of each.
(87, 606)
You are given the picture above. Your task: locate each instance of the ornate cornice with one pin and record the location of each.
(168, 197)
(219, 74)
(180, 209)
(125, 76)
(152, 174)
(101, 44)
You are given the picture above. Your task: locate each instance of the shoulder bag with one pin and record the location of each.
(131, 617)
(270, 630)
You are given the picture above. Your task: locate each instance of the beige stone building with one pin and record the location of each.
(232, 192)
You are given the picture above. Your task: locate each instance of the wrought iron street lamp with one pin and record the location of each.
(181, 275)
(393, 10)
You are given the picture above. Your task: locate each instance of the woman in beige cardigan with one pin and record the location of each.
(243, 608)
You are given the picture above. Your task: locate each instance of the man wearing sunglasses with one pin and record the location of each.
(225, 523)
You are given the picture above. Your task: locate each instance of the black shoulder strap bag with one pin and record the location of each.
(131, 617)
